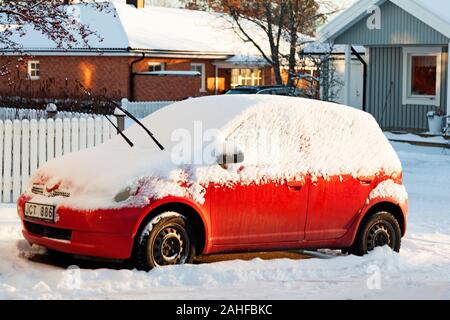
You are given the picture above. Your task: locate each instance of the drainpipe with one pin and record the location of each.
(132, 75)
(364, 63)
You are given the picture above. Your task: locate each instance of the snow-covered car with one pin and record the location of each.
(286, 173)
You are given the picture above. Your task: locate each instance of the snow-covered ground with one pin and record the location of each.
(421, 270)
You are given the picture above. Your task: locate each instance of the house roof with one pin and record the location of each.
(435, 13)
(158, 29)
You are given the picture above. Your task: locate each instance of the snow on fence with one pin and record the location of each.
(21, 114)
(27, 144)
(142, 109)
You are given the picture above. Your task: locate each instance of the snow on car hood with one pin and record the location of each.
(301, 137)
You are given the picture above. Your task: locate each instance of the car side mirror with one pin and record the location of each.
(230, 153)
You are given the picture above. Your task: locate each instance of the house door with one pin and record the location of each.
(357, 83)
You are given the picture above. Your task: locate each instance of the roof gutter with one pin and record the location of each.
(117, 52)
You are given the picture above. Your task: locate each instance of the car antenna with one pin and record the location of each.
(131, 144)
(118, 106)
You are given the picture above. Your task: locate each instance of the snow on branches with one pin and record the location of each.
(58, 20)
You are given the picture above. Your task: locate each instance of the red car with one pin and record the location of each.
(237, 173)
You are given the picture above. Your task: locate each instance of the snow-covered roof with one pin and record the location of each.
(435, 13)
(105, 23)
(153, 28)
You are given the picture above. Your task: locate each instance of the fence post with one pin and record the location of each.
(120, 115)
(25, 152)
(17, 177)
(52, 110)
(7, 169)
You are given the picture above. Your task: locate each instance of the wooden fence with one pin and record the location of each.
(142, 109)
(27, 144)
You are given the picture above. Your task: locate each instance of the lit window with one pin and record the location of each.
(246, 77)
(422, 76)
(33, 70)
(200, 67)
(156, 66)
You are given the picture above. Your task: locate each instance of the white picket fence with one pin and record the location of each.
(21, 114)
(142, 109)
(27, 144)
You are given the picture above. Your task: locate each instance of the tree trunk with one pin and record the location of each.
(277, 72)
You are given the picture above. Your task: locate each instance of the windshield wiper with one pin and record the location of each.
(88, 93)
(160, 146)
(118, 106)
(131, 144)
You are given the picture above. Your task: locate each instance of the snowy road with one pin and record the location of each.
(421, 270)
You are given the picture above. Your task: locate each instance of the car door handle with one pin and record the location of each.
(295, 185)
(366, 181)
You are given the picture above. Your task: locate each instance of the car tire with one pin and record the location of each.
(167, 239)
(377, 230)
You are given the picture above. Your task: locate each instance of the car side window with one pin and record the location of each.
(266, 138)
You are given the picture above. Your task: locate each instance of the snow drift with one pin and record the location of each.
(281, 137)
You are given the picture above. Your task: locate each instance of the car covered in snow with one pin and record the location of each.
(237, 173)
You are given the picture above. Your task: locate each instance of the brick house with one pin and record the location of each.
(142, 53)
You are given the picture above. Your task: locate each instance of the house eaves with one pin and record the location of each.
(361, 9)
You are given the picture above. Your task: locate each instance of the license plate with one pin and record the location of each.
(40, 212)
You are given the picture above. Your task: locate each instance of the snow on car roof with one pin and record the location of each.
(281, 137)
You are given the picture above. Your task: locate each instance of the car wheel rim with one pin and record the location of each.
(169, 247)
(379, 236)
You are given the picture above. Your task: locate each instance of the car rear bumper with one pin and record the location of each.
(102, 233)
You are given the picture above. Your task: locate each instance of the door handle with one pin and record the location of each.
(366, 181)
(295, 185)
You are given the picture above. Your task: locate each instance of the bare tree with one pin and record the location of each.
(285, 23)
(319, 80)
(53, 18)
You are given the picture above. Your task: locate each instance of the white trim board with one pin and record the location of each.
(407, 99)
(351, 16)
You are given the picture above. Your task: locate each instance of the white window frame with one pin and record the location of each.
(252, 78)
(30, 77)
(155, 64)
(203, 75)
(410, 99)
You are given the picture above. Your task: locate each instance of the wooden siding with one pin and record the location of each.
(386, 69)
(397, 28)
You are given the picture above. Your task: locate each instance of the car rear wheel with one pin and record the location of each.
(378, 230)
(167, 239)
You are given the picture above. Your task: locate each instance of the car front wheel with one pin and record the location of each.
(166, 240)
(378, 230)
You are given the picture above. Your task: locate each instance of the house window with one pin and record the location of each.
(156, 66)
(33, 70)
(246, 77)
(422, 76)
(200, 67)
